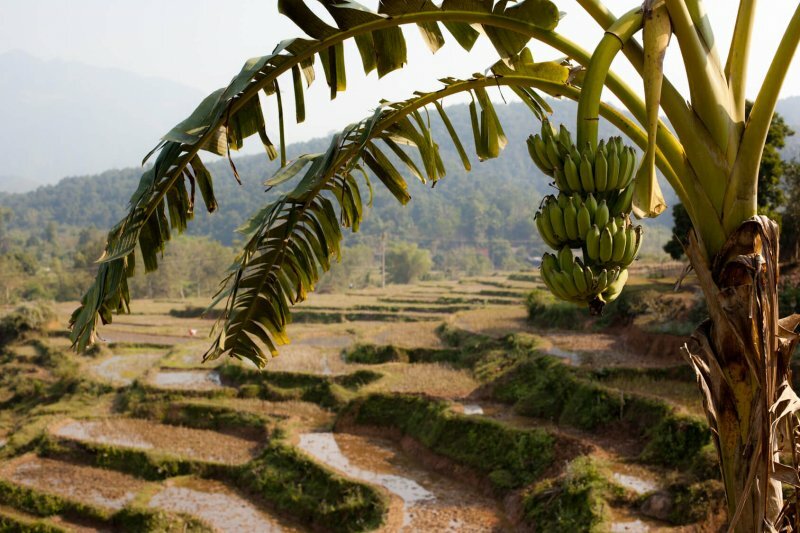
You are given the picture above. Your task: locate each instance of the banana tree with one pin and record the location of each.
(709, 156)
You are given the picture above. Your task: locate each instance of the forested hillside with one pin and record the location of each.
(495, 200)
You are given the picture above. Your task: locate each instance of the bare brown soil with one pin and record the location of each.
(103, 488)
(198, 444)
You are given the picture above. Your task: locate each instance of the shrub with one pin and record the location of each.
(546, 311)
(25, 319)
(508, 457)
(574, 502)
(789, 299)
(543, 387)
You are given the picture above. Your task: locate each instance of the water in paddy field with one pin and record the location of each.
(217, 505)
(428, 502)
(187, 379)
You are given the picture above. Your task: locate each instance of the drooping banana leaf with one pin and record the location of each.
(230, 115)
(292, 240)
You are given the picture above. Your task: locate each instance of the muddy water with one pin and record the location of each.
(571, 357)
(429, 502)
(635, 483)
(187, 379)
(216, 505)
(123, 369)
(469, 409)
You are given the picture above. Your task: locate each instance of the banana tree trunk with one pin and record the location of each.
(741, 356)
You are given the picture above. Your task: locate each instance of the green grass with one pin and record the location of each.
(371, 354)
(577, 501)
(328, 392)
(127, 519)
(299, 488)
(510, 458)
(544, 310)
(543, 387)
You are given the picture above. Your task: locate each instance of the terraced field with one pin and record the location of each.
(433, 407)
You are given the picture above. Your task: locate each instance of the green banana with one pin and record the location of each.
(563, 200)
(622, 205)
(568, 283)
(584, 221)
(549, 262)
(546, 230)
(613, 226)
(564, 137)
(587, 174)
(620, 243)
(565, 259)
(602, 214)
(630, 246)
(630, 165)
(589, 152)
(606, 245)
(541, 154)
(593, 244)
(552, 154)
(602, 281)
(561, 180)
(544, 167)
(639, 232)
(615, 288)
(591, 279)
(591, 204)
(571, 174)
(613, 168)
(579, 278)
(549, 271)
(557, 220)
(571, 221)
(600, 170)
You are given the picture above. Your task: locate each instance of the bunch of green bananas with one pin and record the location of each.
(567, 219)
(609, 167)
(570, 279)
(591, 213)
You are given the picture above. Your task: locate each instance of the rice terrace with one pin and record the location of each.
(587, 319)
(436, 406)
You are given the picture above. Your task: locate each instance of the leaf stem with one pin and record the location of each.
(741, 197)
(597, 72)
(738, 55)
(706, 158)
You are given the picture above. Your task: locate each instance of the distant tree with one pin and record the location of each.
(790, 227)
(502, 254)
(353, 272)
(680, 229)
(5, 217)
(407, 262)
(771, 170)
(465, 260)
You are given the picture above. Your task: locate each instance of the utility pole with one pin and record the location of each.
(383, 260)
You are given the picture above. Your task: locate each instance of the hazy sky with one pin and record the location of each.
(203, 43)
